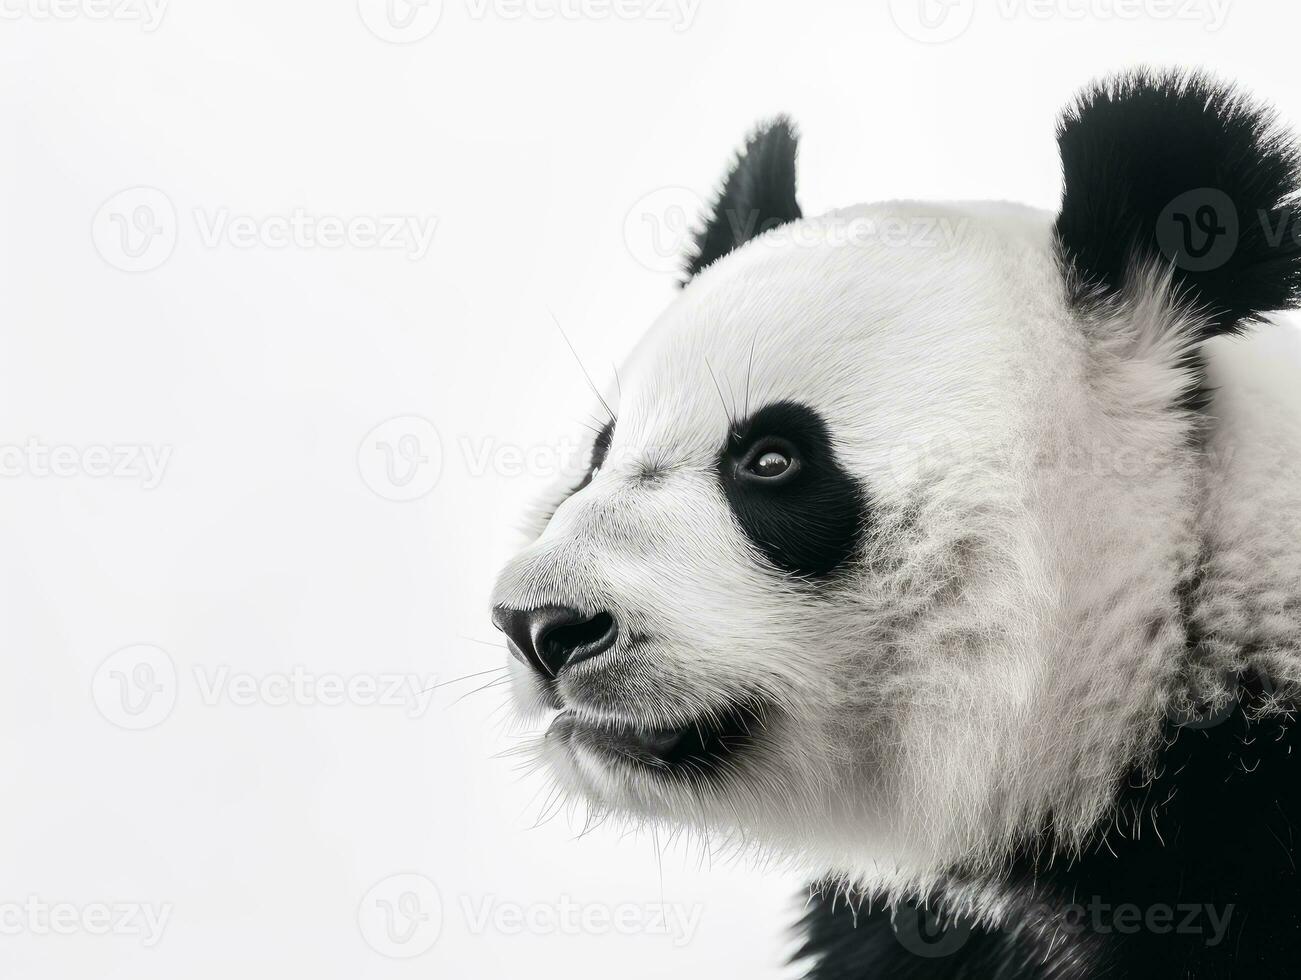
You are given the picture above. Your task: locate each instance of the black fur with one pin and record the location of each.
(600, 449)
(759, 194)
(1178, 169)
(1216, 826)
(806, 525)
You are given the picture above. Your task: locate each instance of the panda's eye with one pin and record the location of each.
(771, 460)
(790, 494)
(771, 463)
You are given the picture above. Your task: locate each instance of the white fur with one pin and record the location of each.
(1011, 638)
(1249, 605)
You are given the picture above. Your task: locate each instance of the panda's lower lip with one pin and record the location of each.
(699, 747)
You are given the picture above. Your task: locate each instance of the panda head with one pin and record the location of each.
(882, 559)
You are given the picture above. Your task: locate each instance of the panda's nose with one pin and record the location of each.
(551, 637)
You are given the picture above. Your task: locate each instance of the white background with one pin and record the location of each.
(266, 826)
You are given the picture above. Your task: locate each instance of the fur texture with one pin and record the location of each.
(1177, 168)
(1057, 563)
(757, 196)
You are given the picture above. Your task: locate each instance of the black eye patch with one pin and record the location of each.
(790, 493)
(600, 449)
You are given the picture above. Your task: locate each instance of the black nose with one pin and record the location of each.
(551, 637)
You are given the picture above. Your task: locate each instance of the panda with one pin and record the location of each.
(960, 572)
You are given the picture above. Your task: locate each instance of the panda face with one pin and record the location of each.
(725, 597)
(886, 558)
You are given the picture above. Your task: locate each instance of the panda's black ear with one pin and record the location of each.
(1176, 169)
(757, 195)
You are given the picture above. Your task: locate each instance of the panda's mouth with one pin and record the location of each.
(698, 749)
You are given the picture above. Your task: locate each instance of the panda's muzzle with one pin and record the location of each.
(550, 638)
(698, 749)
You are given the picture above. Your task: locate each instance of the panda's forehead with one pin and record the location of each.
(852, 328)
